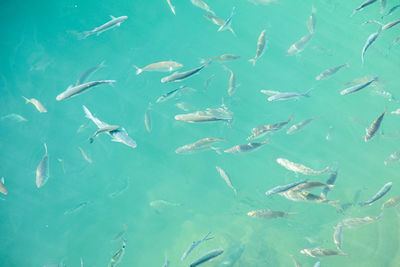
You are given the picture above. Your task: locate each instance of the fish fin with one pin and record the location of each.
(88, 114)
(138, 70)
(307, 94)
(2, 180)
(45, 147)
(217, 150)
(253, 60)
(26, 100)
(112, 17)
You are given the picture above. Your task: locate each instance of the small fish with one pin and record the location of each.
(160, 203)
(170, 94)
(371, 39)
(356, 88)
(228, 21)
(77, 90)
(147, 118)
(390, 12)
(383, 191)
(201, 4)
(77, 208)
(338, 235)
(226, 178)
(312, 21)
(331, 181)
(208, 81)
(171, 6)
(199, 146)
(299, 46)
(270, 92)
(261, 43)
(121, 190)
(310, 185)
(330, 72)
(269, 214)
(121, 233)
(15, 117)
(105, 129)
(321, 252)
(184, 106)
(117, 257)
(383, 6)
(373, 129)
(299, 126)
(206, 257)
(305, 196)
(391, 203)
(232, 82)
(194, 245)
(288, 96)
(283, 188)
(221, 59)
(178, 77)
(245, 148)
(36, 103)
(390, 25)
(107, 26)
(3, 188)
(360, 7)
(394, 157)
(84, 155)
(209, 115)
(84, 76)
(43, 171)
(358, 222)
(299, 168)
(163, 66)
(260, 131)
(218, 21)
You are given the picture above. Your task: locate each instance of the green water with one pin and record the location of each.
(41, 57)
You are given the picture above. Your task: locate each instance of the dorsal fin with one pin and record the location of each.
(112, 17)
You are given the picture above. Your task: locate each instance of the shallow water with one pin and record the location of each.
(41, 57)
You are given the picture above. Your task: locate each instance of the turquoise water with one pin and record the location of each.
(42, 56)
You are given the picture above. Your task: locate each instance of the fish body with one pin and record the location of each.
(226, 178)
(311, 185)
(43, 170)
(171, 6)
(391, 203)
(173, 93)
(288, 96)
(305, 196)
(371, 39)
(300, 45)
(338, 235)
(358, 87)
(299, 168)
(198, 146)
(116, 258)
(321, 252)
(283, 188)
(390, 25)
(394, 157)
(299, 126)
(114, 22)
(105, 129)
(330, 72)
(163, 66)
(245, 148)
(363, 5)
(268, 214)
(147, 118)
(331, 181)
(358, 222)
(383, 191)
(312, 21)
(383, 6)
(390, 12)
(77, 90)
(228, 21)
(260, 131)
(39, 106)
(209, 115)
(84, 76)
(201, 4)
(208, 81)
(3, 188)
(194, 245)
(177, 77)
(76, 208)
(218, 21)
(206, 257)
(261, 43)
(14, 116)
(234, 255)
(232, 82)
(120, 136)
(373, 129)
(221, 58)
(263, 2)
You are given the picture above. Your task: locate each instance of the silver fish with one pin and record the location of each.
(269, 214)
(321, 252)
(360, 7)
(383, 191)
(194, 245)
(391, 203)
(299, 168)
(170, 94)
(262, 130)
(371, 39)
(84, 155)
(299, 126)
(201, 4)
(147, 118)
(3, 188)
(163, 66)
(177, 77)
(39, 106)
(338, 235)
(228, 21)
(373, 129)
(76, 90)
(358, 222)
(84, 76)
(305, 196)
(107, 26)
(330, 72)
(232, 82)
(287, 96)
(218, 21)
(226, 178)
(199, 146)
(245, 148)
(331, 181)
(310, 185)
(283, 188)
(356, 88)
(312, 21)
(117, 257)
(394, 157)
(105, 129)
(171, 6)
(390, 25)
(15, 117)
(117, 136)
(77, 208)
(390, 12)
(206, 257)
(43, 170)
(261, 43)
(209, 115)
(300, 45)
(221, 58)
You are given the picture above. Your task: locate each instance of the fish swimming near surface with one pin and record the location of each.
(338, 235)
(233, 256)
(43, 170)
(226, 178)
(390, 203)
(163, 66)
(171, 6)
(194, 245)
(299, 168)
(3, 188)
(283, 188)
(261, 43)
(201, 4)
(245, 148)
(350, 223)
(232, 82)
(206, 257)
(383, 191)
(170, 94)
(371, 39)
(219, 22)
(208, 115)
(39, 106)
(84, 155)
(15, 117)
(114, 22)
(390, 12)
(331, 181)
(363, 5)
(330, 72)
(394, 157)
(106, 129)
(84, 76)
(390, 25)
(299, 126)
(288, 96)
(77, 90)
(262, 2)
(199, 146)
(77, 208)
(321, 252)
(373, 129)
(312, 21)
(228, 21)
(147, 118)
(221, 59)
(269, 214)
(117, 257)
(300, 45)
(178, 77)
(260, 131)
(358, 87)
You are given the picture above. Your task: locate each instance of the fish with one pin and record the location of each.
(326, 74)
(262, 2)
(300, 45)
(208, 81)
(159, 203)
(390, 203)
(121, 233)
(261, 43)
(299, 126)
(390, 12)
(396, 112)
(209, 115)
(147, 118)
(390, 25)
(383, 6)
(170, 94)
(221, 58)
(371, 39)
(39, 106)
(105, 129)
(358, 222)
(73, 91)
(270, 92)
(383, 191)
(338, 235)
(232, 82)
(43, 170)
(299, 168)
(15, 117)
(120, 136)
(310, 185)
(121, 190)
(228, 21)
(84, 76)
(226, 178)
(269, 214)
(163, 66)
(283, 188)
(117, 257)
(305, 196)
(245, 148)
(178, 77)
(321, 252)
(206, 257)
(77, 208)
(296, 263)
(394, 157)
(194, 245)
(201, 4)
(84, 155)
(363, 5)
(114, 22)
(219, 22)
(374, 127)
(358, 87)
(199, 146)
(184, 106)
(171, 6)
(233, 256)
(331, 181)
(317, 264)
(312, 21)
(166, 262)
(260, 131)
(288, 96)
(3, 188)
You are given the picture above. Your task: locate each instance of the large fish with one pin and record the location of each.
(76, 90)
(114, 22)
(43, 171)
(373, 129)
(383, 191)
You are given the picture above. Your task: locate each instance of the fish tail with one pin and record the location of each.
(347, 65)
(102, 64)
(354, 12)
(45, 147)
(87, 113)
(253, 60)
(307, 94)
(232, 31)
(138, 70)
(84, 35)
(26, 100)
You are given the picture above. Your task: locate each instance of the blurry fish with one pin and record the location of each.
(201, 4)
(269, 214)
(206, 257)
(221, 59)
(185, 106)
(163, 66)
(262, 130)
(77, 90)
(156, 204)
(296, 264)
(288, 96)
(358, 222)
(245, 148)
(338, 235)
(283, 188)
(36, 103)
(390, 25)
(43, 171)
(383, 6)
(355, 88)
(147, 118)
(107, 26)
(209, 115)
(270, 92)
(299, 168)
(232, 82)
(121, 190)
(228, 21)
(170, 94)
(3, 188)
(331, 181)
(84, 155)
(233, 256)
(218, 21)
(207, 82)
(117, 136)
(194, 245)
(226, 178)
(391, 203)
(317, 264)
(106, 129)
(310, 185)
(312, 21)
(371, 39)
(62, 164)
(15, 117)
(365, 4)
(383, 191)
(299, 46)
(395, 42)
(199, 146)
(166, 262)
(299, 126)
(84, 76)
(321, 252)
(329, 135)
(117, 257)
(171, 6)
(390, 12)
(394, 157)
(373, 129)
(305, 196)
(330, 72)
(178, 77)
(81, 262)
(120, 234)
(77, 208)
(386, 95)
(261, 43)
(263, 2)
